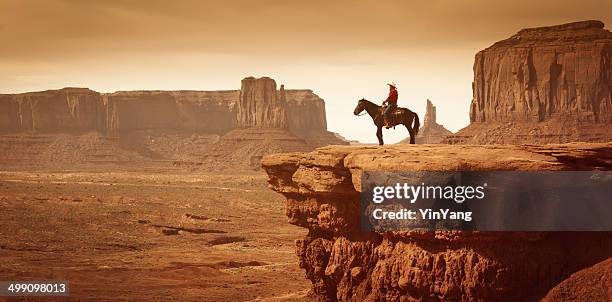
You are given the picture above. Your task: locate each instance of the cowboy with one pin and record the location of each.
(391, 102)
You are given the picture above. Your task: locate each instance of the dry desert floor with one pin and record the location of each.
(150, 235)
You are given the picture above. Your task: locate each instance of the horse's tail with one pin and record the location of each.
(417, 124)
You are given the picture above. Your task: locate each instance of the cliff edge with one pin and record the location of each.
(322, 189)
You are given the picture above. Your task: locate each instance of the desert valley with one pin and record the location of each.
(244, 195)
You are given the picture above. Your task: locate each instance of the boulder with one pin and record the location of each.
(590, 284)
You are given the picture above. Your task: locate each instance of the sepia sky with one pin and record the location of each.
(342, 50)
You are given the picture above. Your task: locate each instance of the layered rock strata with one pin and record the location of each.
(79, 110)
(260, 105)
(68, 110)
(546, 84)
(344, 264)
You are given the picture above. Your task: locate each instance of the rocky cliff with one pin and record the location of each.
(212, 130)
(258, 104)
(546, 84)
(193, 111)
(322, 191)
(307, 117)
(64, 110)
(71, 110)
(306, 109)
(431, 132)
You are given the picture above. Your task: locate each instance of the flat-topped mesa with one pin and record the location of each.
(544, 73)
(323, 187)
(552, 84)
(257, 105)
(260, 105)
(582, 31)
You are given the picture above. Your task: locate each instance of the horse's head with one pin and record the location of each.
(360, 106)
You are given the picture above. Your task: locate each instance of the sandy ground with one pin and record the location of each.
(153, 236)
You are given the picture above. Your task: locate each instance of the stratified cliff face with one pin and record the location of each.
(194, 111)
(307, 118)
(540, 73)
(550, 75)
(431, 132)
(260, 105)
(84, 110)
(212, 130)
(65, 110)
(257, 105)
(306, 109)
(345, 264)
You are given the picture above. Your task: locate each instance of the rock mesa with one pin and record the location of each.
(229, 129)
(257, 104)
(545, 84)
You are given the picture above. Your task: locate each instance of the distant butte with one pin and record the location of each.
(543, 85)
(431, 132)
(211, 129)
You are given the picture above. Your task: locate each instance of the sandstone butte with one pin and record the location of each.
(431, 132)
(343, 263)
(543, 85)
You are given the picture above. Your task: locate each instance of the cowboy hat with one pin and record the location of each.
(392, 84)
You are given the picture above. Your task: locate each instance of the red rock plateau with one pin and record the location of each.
(200, 128)
(543, 85)
(322, 191)
(431, 132)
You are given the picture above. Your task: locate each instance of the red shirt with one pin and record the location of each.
(392, 98)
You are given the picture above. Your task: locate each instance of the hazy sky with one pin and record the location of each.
(343, 50)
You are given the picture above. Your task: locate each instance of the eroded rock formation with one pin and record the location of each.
(67, 110)
(193, 111)
(431, 132)
(260, 105)
(322, 190)
(212, 130)
(546, 84)
(79, 110)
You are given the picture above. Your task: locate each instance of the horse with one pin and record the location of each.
(398, 116)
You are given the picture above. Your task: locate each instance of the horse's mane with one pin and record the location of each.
(372, 103)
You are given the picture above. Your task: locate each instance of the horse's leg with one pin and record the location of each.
(379, 135)
(407, 122)
(411, 133)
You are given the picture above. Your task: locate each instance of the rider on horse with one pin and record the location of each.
(391, 102)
